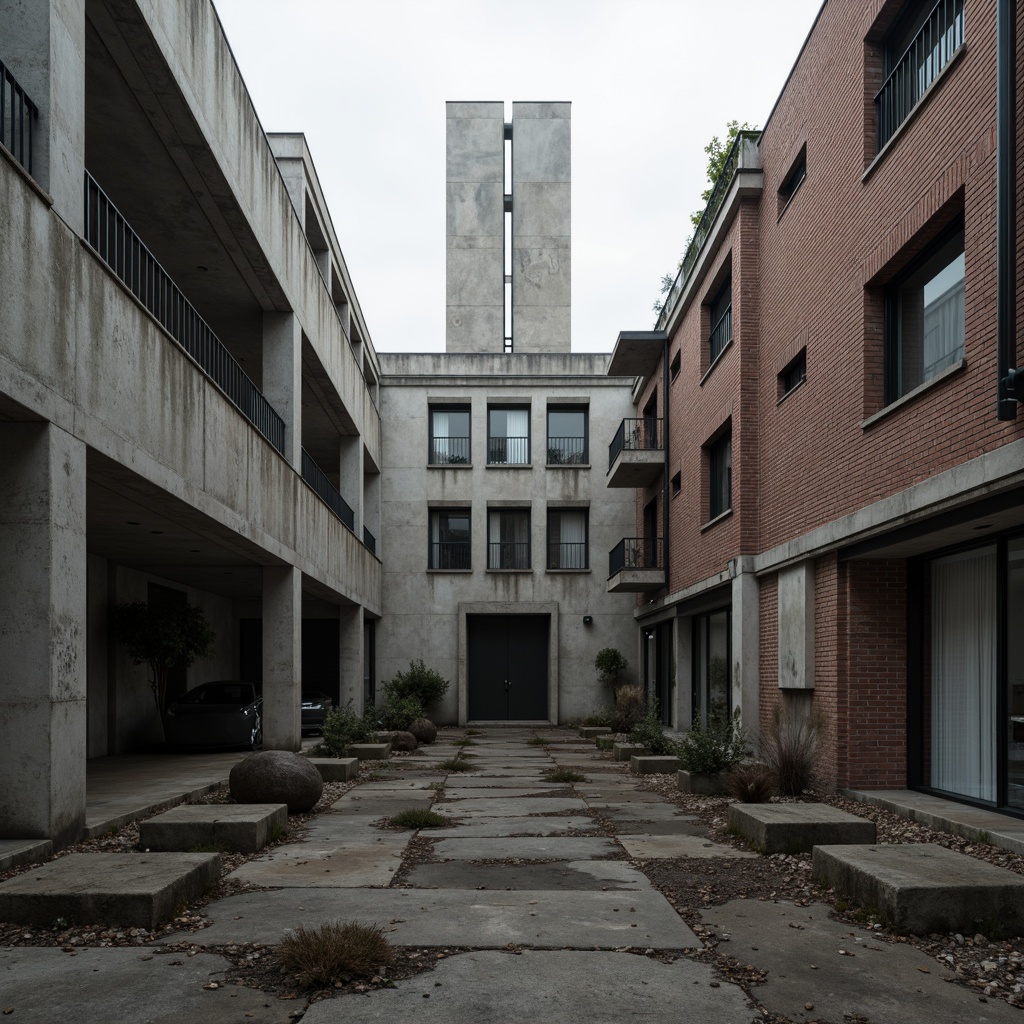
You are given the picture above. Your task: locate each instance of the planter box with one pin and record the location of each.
(336, 769)
(653, 764)
(370, 751)
(624, 751)
(589, 732)
(604, 742)
(702, 785)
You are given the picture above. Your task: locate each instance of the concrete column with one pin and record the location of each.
(282, 657)
(745, 645)
(44, 46)
(350, 637)
(371, 506)
(42, 633)
(282, 378)
(350, 477)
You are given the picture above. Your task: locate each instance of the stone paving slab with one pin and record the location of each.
(589, 732)
(797, 828)
(532, 848)
(881, 982)
(384, 805)
(110, 986)
(624, 751)
(502, 792)
(345, 867)
(658, 847)
(397, 785)
(23, 851)
(923, 887)
(370, 751)
(485, 780)
(514, 806)
(330, 830)
(552, 987)
(132, 889)
(638, 811)
(476, 828)
(654, 764)
(336, 769)
(669, 827)
(459, 917)
(244, 828)
(587, 875)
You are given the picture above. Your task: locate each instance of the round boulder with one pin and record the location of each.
(276, 777)
(404, 741)
(424, 730)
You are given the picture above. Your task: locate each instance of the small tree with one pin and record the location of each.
(163, 637)
(610, 665)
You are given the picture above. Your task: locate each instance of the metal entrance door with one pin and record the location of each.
(508, 667)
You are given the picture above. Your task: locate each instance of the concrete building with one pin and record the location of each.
(828, 449)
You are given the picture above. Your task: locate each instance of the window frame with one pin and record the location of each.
(798, 364)
(524, 510)
(720, 474)
(434, 516)
(553, 515)
(512, 407)
(714, 301)
(795, 177)
(584, 459)
(449, 407)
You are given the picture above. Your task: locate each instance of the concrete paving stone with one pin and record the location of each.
(243, 828)
(458, 917)
(502, 793)
(346, 867)
(489, 828)
(336, 769)
(396, 785)
(624, 751)
(700, 784)
(589, 732)
(653, 764)
(873, 980)
(604, 742)
(515, 806)
(525, 848)
(796, 828)
(370, 751)
(103, 986)
(507, 773)
(586, 875)
(14, 852)
(132, 889)
(383, 805)
(633, 798)
(922, 888)
(331, 830)
(658, 847)
(669, 827)
(638, 811)
(490, 783)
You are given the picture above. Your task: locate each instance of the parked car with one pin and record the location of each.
(314, 710)
(225, 713)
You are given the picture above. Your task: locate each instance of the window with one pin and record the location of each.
(720, 477)
(508, 539)
(677, 483)
(919, 45)
(793, 374)
(793, 180)
(449, 435)
(711, 658)
(720, 308)
(677, 362)
(924, 322)
(449, 538)
(508, 436)
(567, 436)
(567, 539)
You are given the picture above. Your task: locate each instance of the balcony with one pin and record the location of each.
(567, 451)
(327, 492)
(18, 116)
(450, 555)
(636, 456)
(449, 451)
(369, 541)
(636, 565)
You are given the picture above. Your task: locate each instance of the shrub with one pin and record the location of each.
(630, 705)
(564, 775)
(423, 683)
(714, 747)
(750, 783)
(419, 817)
(397, 713)
(789, 746)
(650, 733)
(602, 716)
(610, 665)
(343, 726)
(321, 956)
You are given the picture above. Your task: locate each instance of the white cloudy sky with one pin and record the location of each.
(650, 82)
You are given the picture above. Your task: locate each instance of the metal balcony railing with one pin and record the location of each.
(326, 491)
(18, 115)
(941, 35)
(567, 451)
(449, 451)
(735, 160)
(635, 553)
(721, 335)
(508, 451)
(449, 554)
(508, 554)
(137, 268)
(369, 541)
(567, 555)
(636, 435)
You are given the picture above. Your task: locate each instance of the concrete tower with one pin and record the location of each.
(508, 247)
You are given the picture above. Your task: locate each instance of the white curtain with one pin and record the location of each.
(509, 536)
(517, 425)
(963, 674)
(572, 535)
(440, 427)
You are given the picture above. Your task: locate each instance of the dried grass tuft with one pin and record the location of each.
(333, 952)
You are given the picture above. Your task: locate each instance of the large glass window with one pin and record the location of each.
(720, 475)
(508, 436)
(508, 539)
(711, 654)
(567, 436)
(450, 538)
(1015, 671)
(567, 538)
(925, 318)
(449, 435)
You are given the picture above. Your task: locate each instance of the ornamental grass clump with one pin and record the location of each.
(752, 783)
(715, 746)
(455, 764)
(564, 775)
(419, 817)
(790, 748)
(334, 952)
(630, 706)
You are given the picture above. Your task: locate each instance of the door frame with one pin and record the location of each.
(549, 608)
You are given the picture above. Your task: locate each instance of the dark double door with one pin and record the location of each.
(508, 667)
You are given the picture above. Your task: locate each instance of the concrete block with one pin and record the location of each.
(589, 732)
(702, 785)
(370, 751)
(23, 851)
(129, 889)
(336, 769)
(605, 742)
(624, 751)
(653, 764)
(793, 828)
(244, 828)
(922, 888)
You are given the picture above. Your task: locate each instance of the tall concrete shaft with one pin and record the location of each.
(539, 263)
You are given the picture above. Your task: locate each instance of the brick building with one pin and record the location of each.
(820, 410)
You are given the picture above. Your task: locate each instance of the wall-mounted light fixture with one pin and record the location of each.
(588, 620)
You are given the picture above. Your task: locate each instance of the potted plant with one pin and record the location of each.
(708, 751)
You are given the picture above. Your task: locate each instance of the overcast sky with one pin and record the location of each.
(650, 82)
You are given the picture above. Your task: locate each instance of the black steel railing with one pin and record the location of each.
(635, 553)
(721, 335)
(18, 115)
(732, 163)
(326, 491)
(567, 554)
(508, 554)
(508, 451)
(449, 451)
(449, 554)
(369, 541)
(941, 35)
(636, 435)
(567, 451)
(137, 268)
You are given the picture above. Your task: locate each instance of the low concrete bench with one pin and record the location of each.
(604, 742)
(242, 828)
(701, 785)
(653, 764)
(589, 732)
(922, 887)
(798, 828)
(370, 751)
(139, 890)
(624, 751)
(336, 769)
